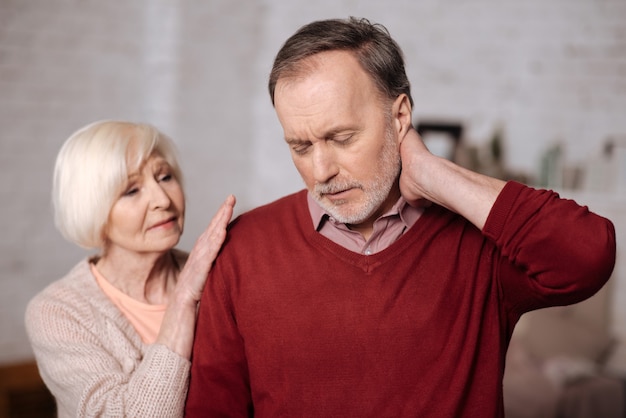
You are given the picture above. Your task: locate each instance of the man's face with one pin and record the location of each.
(341, 137)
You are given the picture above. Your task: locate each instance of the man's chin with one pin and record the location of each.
(343, 210)
(335, 214)
(347, 218)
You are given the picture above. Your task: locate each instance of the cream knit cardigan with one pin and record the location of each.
(93, 361)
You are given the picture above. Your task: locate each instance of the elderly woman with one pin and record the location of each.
(114, 336)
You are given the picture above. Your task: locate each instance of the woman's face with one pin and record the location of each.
(149, 215)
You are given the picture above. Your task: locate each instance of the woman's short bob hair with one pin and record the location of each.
(91, 172)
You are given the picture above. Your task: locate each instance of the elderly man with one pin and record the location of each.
(390, 286)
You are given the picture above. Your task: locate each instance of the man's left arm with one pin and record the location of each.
(566, 251)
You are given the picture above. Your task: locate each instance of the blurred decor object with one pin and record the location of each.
(446, 140)
(616, 154)
(551, 175)
(23, 393)
(606, 172)
(441, 138)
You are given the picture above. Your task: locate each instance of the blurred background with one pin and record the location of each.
(533, 91)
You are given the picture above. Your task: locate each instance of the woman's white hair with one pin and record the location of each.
(91, 172)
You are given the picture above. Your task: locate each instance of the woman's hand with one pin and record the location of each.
(193, 276)
(179, 321)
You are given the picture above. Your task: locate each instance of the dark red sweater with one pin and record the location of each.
(293, 325)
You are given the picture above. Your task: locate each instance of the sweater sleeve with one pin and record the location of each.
(93, 370)
(219, 384)
(554, 251)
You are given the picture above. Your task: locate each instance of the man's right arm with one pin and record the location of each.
(219, 384)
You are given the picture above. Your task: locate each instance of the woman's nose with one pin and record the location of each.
(159, 199)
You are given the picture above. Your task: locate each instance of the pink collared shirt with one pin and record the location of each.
(387, 228)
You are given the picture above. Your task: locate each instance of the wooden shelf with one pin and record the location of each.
(23, 393)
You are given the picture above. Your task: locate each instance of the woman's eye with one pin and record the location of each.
(131, 191)
(165, 177)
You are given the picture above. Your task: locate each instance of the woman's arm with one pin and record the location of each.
(94, 362)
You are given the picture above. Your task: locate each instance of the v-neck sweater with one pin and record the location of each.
(292, 324)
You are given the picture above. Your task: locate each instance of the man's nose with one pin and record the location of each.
(325, 165)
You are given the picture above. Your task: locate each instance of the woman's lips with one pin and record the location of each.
(165, 223)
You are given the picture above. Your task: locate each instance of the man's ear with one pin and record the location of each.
(401, 113)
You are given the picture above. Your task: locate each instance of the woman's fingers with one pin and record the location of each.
(205, 250)
(211, 240)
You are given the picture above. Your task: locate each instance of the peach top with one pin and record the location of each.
(145, 318)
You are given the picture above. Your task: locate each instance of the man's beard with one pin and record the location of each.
(376, 192)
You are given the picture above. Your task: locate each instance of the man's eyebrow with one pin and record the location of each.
(330, 134)
(295, 141)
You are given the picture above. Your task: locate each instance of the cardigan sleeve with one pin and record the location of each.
(93, 370)
(554, 251)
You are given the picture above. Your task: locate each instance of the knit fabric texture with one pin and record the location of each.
(92, 359)
(292, 324)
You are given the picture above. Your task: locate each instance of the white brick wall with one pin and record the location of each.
(547, 70)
